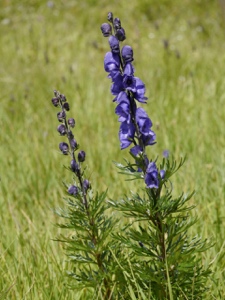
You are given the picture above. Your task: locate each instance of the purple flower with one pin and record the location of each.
(64, 147)
(117, 85)
(126, 134)
(120, 34)
(123, 108)
(136, 150)
(151, 176)
(71, 122)
(149, 140)
(166, 153)
(114, 44)
(62, 129)
(73, 144)
(129, 70)
(110, 17)
(61, 116)
(81, 156)
(139, 92)
(127, 54)
(117, 23)
(111, 62)
(106, 29)
(66, 106)
(74, 166)
(143, 121)
(86, 184)
(73, 190)
(55, 101)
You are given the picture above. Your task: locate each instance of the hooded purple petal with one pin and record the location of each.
(151, 176)
(111, 62)
(143, 121)
(126, 134)
(139, 94)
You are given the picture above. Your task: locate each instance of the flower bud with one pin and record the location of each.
(64, 148)
(56, 93)
(73, 144)
(114, 44)
(110, 17)
(106, 29)
(62, 97)
(120, 34)
(62, 129)
(81, 156)
(71, 122)
(74, 166)
(55, 101)
(61, 116)
(66, 106)
(117, 23)
(73, 190)
(166, 153)
(162, 173)
(86, 184)
(127, 54)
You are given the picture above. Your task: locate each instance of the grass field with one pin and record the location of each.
(179, 51)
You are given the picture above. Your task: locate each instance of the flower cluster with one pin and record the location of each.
(135, 127)
(65, 129)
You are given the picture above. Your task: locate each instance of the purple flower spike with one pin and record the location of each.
(64, 147)
(127, 54)
(114, 44)
(106, 29)
(151, 176)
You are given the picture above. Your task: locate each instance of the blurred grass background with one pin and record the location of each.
(179, 51)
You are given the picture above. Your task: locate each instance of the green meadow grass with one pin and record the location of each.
(179, 51)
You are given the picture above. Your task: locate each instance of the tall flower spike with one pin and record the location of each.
(135, 125)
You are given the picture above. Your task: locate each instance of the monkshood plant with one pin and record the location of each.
(88, 244)
(165, 259)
